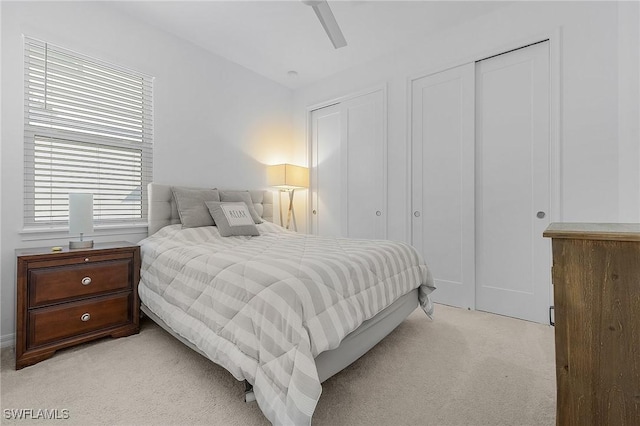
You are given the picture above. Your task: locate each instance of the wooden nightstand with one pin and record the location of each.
(73, 296)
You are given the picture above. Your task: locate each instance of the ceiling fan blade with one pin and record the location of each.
(328, 21)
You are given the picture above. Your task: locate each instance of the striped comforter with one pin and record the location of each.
(264, 307)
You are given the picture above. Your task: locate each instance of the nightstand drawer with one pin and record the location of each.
(69, 320)
(48, 285)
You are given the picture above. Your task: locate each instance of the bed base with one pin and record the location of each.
(352, 347)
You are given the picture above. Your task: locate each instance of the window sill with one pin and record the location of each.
(62, 232)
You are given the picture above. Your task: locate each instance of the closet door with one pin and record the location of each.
(364, 194)
(442, 155)
(326, 166)
(512, 183)
(480, 184)
(348, 175)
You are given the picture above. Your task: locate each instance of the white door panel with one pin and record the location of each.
(443, 181)
(326, 125)
(362, 129)
(512, 183)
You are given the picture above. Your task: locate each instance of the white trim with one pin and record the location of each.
(385, 160)
(555, 68)
(308, 148)
(8, 341)
(555, 137)
(408, 141)
(339, 99)
(44, 234)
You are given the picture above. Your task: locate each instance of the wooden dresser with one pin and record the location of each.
(73, 296)
(596, 277)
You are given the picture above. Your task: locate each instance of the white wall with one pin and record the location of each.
(215, 122)
(593, 76)
(629, 110)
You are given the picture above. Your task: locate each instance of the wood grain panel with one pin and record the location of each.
(597, 304)
(63, 321)
(54, 284)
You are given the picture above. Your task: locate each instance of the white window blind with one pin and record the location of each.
(88, 128)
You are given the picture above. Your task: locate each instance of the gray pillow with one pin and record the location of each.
(191, 208)
(245, 197)
(232, 218)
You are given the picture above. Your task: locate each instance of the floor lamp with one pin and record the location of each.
(288, 178)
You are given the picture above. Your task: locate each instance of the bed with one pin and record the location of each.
(282, 311)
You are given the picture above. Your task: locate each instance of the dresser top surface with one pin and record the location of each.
(39, 251)
(594, 231)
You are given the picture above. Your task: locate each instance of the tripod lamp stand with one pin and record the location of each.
(288, 178)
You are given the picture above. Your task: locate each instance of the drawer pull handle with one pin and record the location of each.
(85, 317)
(86, 281)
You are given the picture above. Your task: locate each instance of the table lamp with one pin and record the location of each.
(80, 219)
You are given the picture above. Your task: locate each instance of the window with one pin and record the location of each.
(88, 128)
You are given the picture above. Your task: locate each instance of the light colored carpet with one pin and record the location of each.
(462, 368)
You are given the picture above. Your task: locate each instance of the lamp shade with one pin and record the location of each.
(288, 176)
(80, 213)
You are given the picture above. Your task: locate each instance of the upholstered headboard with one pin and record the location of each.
(163, 210)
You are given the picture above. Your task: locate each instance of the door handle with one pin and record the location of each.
(541, 215)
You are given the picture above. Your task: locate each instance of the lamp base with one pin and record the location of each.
(75, 245)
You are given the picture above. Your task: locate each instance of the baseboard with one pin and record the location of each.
(8, 340)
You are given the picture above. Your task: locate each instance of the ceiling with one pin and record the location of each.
(275, 37)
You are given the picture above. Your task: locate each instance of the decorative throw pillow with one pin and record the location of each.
(191, 205)
(232, 219)
(243, 196)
